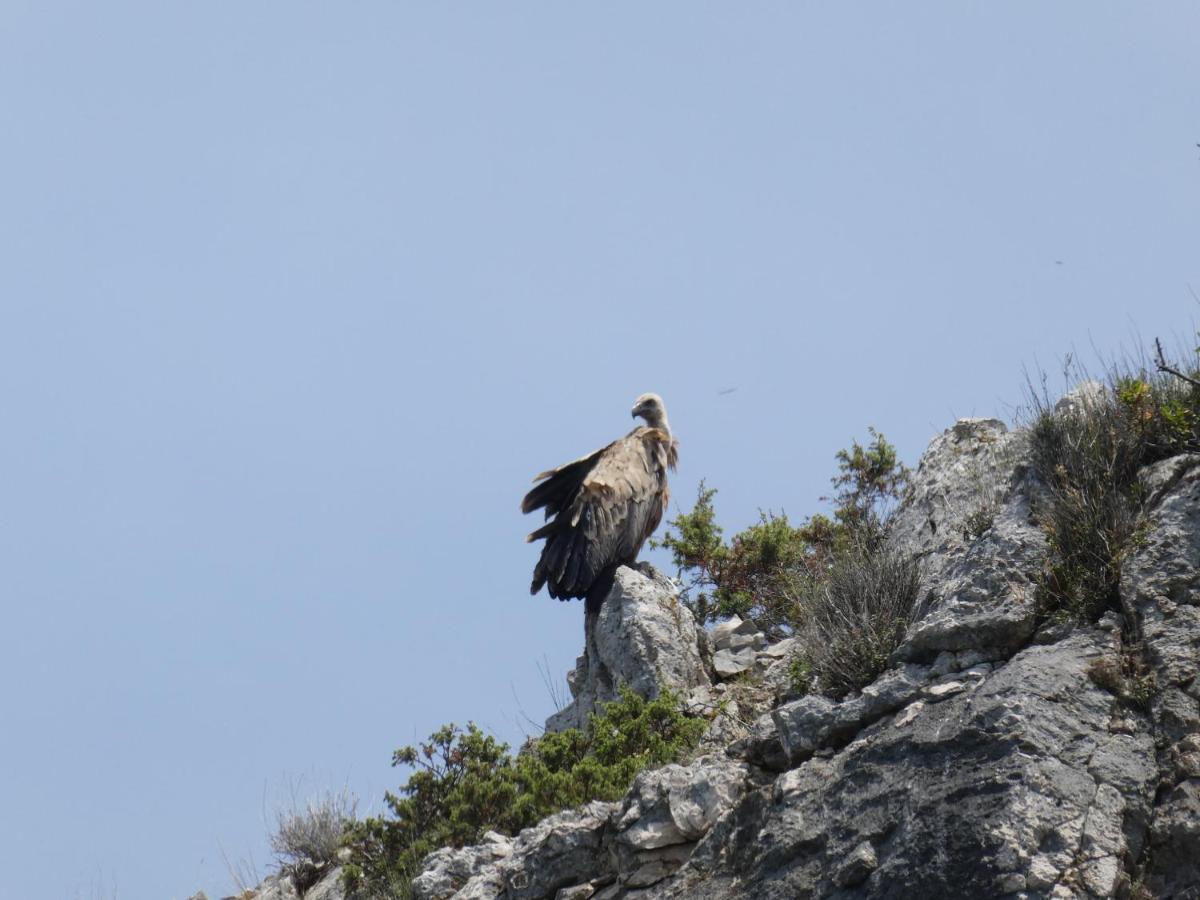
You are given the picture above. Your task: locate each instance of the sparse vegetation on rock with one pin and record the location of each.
(467, 783)
(1088, 450)
(830, 581)
(307, 836)
(998, 675)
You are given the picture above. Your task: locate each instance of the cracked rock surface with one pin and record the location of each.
(642, 637)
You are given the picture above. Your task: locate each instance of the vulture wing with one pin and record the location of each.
(604, 506)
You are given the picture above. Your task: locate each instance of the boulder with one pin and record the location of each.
(566, 850)
(447, 870)
(728, 663)
(673, 807)
(643, 637)
(328, 888)
(736, 633)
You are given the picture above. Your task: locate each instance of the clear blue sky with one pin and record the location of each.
(296, 297)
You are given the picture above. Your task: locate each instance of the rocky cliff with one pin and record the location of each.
(1002, 754)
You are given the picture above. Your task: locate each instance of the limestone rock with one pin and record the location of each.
(643, 637)
(276, 887)
(1160, 589)
(728, 663)
(672, 807)
(1085, 395)
(969, 518)
(561, 851)
(446, 870)
(679, 803)
(328, 888)
(804, 726)
(734, 633)
(855, 868)
(1014, 782)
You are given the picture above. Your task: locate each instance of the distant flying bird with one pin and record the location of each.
(604, 507)
(726, 391)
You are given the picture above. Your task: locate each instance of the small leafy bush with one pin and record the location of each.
(870, 481)
(750, 576)
(1089, 457)
(762, 572)
(467, 783)
(830, 581)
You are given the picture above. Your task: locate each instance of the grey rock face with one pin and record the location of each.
(561, 851)
(667, 811)
(642, 637)
(968, 517)
(1016, 784)
(1160, 587)
(857, 866)
(965, 469)
(276, 887)
(328, 888)
(282, 887)
(447, 870)
(814, 722)
(676, 803)
(727, 663)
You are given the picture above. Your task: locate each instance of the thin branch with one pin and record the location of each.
(1161, 363)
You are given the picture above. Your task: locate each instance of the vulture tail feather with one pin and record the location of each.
(575, 561)
(568, 549)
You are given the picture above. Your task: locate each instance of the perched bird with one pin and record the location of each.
(602, 507)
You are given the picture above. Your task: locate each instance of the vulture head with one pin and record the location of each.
(650, 407)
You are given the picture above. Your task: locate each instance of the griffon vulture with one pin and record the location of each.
(604, 505)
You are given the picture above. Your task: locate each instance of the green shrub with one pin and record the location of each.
(800, 675)
(1089, 457)
(761, 573)
(467, 783)
(869, 482)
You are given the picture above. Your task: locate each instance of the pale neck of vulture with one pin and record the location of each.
(657, 418)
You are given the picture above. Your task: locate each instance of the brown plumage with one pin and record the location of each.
(601, 508)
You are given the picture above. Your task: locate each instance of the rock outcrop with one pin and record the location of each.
(643, 637)
(600, 850)
(1001, 754)
(989, 760)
